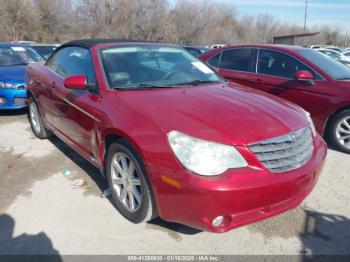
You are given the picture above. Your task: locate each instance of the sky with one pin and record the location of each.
(332, 12)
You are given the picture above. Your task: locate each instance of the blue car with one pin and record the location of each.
(13, 61)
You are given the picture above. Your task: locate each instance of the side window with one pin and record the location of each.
(238, 59)
(215, 60)
(73, 61)
(54, 61)
(279, 64)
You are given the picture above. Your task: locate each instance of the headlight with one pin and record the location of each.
(311, 123)
(203, 157)
(7, 85)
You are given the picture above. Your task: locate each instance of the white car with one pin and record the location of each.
(217, 46)
(346, 53)
(334, 54)
(316, 46)
(330, 47)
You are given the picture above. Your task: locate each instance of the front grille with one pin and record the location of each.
(3, 100)
(285, 153)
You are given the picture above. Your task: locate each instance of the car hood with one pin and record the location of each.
(12, 73)
(220, 113)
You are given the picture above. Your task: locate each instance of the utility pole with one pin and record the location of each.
(305, 19)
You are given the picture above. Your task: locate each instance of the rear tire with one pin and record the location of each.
(129, 183)
(339, 131)
(36, 121)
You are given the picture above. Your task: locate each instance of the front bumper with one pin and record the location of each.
(12, 99)
(241, 196)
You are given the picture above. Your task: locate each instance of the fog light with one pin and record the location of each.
(2, 100)
(217, 221)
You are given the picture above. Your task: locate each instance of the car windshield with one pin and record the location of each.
(153, 67)
(335, 69)
(17, 55)
(44, 51)
(33, 54)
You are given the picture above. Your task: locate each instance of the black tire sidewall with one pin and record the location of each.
(142, 214)
(333, 133)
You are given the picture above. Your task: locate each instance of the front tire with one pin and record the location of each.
(129, 183)
(339, 131)
(36, 121)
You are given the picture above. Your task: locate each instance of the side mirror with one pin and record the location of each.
(76, 82)
(303, 76)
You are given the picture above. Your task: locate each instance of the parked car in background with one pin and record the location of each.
(346, 53)
(318, 83)
(13, 60)
(334, 48)
(345, 62)
(44, 50)
(196, 51)
(217, 46)
(314, 46)
(334, 54)
(166, 129)
(25, 42)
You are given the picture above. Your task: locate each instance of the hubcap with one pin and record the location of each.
(34, 117)
(126, 182)
(343, 132)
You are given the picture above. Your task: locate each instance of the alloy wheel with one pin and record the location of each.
(34, 117)
(126, 182)
(343, 132)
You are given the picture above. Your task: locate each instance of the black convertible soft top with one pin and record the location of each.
(88, 43)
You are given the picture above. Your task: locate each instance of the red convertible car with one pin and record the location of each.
(172, 138)
(303, 76)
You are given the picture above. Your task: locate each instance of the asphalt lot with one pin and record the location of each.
(41, 213)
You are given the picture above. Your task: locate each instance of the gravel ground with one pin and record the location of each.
(41, 213)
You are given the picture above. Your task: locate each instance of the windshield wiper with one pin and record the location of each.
(197, 82)
(140, 86)
(344, 78)
(24, 63)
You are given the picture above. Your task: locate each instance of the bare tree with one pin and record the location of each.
(45, 20)
(265, 27)
(188, 20)
(182, 22)
(15, 19)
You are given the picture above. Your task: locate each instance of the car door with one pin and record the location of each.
(238, 65)
(73, 111)
(44, 82)
(276, 70)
